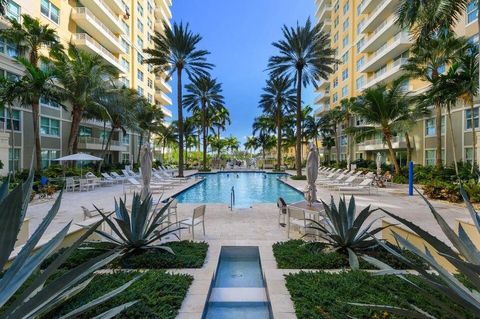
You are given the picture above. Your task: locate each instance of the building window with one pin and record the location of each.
(104, 135)
(125, 158)
(360, 44)
(125, 64)
(359, 7)
(48, 102)
(8, 48)
(335, 37)
(345, 41)
(430, 127)
(468, 118)
(139, 42)
(126, 28)
(430, 156)
(346, 7)
(49, 127)
(48, 156)
(13, 11)
(335, 22)
(126, 139)
(84, 131)
(13, 159)
(335, 82)
(149, 8)
(140, 90)
(150, 98)
(335, 97)
(344, 74)
(345, 57)
(125, 46)
(360, 26)
(139, 25)
(139, 9)
(468, 157)
(360, 62)
(149, 23)
(139, 75)
(346, 23)
(150, 83)
(139, 58)
(336, 6)
(50, 11)
(5, 120)
(360, 82)
(472, 11)
(344, 91)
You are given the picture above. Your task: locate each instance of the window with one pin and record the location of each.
(139, 58)
(50, 11)
(139, 75)
(336, 6)
(126, 28)
(104, 135)
(346, 7)
(139, 42)
(359, 7)
(13, 11)
(48, 156)
(150, 83)
(125, 158)
(345, 41)
(346, 23)
(126, 139)
(50, 127)
(139, 25)
(360, 26)
(149, 7)
(8, 48)
(430, 127)
(430, 157)
(344, 91)
(139, 9)
(345, 57)
(360, 62)
(360, 82)
(49, 103)
(149, 23)
(13, 159)
(335, 82)
(335, 37)
(335, 97)
(150, 98)
(5, 120)
(472, 11)
(140, 90)
(468, 157)
(126, 46)
(84, 131)
(335, 22)
(344, 74)
(468, 118)
(360, 44)
(125, 64)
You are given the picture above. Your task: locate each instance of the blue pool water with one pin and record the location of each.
(250, 188)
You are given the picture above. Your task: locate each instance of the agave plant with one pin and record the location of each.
(25, 293)
(465, 257)
(140, 227)
(344, 231)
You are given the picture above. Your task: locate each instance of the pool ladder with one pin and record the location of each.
(232, 198)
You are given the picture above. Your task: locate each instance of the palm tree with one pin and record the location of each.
(313, 128)
(3, 6)
(334, 118)
(149, 121)
(266, 142)
(346, 105)
(305, 52)
(328, 142)
(36, 83)
(83, 77)
(425, 62)
(204, 96)
(175, 50)
(383, 110)
(217, 143)
(277, 101)
(190, 130)
(168, 136)
(219, 120)
(250, 143)
(232, 143)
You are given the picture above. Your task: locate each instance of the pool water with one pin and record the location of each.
(250, 188)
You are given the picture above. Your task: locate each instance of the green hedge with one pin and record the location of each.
(322, 295)
(160, 295)
(298, 254)
(188, 254)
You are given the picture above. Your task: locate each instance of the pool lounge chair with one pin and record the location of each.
(154, 187)
(365, 185)
(348, 182)
(118, 177)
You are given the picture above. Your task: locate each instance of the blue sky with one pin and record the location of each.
(239, 33)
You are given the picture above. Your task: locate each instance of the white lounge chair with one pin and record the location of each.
(118, 177)
(365, 185)
(154, 187)
(348, 182)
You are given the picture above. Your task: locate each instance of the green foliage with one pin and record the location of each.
(298, 254)
(159, 295)
(299, 178)
(442, 190)
(320, 295)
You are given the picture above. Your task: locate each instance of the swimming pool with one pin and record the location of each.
(250, 188)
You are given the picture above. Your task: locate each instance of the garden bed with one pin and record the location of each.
(159, 295)
(320, 295)
(298, 254)
(188, 254)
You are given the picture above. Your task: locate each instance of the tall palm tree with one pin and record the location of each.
(383, 110)
(83, 77)
(232, 143)
(250, 143)
(190, 130)
(263, 125)
(313, 128)
(168, 136)
(219, 120)
(278, 101)
(305, 52)
(34, 84)
(335, 117)
(176, 50)
(425, 62)
(149, 121)
(204, 96)
(346, 105)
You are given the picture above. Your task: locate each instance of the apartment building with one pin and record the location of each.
(372, 49)
(116, 30)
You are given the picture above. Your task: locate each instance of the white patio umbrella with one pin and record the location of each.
(312, 174)
(146, 160)
(79, 157)
(379, 163)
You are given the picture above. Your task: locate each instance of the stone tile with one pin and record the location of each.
(281, 303)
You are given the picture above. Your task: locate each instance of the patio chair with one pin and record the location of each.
(109, 178)
(87, 184)
(282, 211)
(297, 218)
(348, 182)
(197, 219)
(173, 210)
(365, 185)
(71, 184)
(154, 187)
(90, 213)
(163, 179)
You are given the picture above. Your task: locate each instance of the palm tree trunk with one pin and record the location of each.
(12, 139)
(107, 146)
(438, 135)
(279, 139)
(36, 134)
(76, 118)
(298, 143)
(337, 145)
(453, 139)
(204, 132)
(140, 142)
(393, 157)
(474, 135)
(180, 122)
(263, 156)
(409, 147)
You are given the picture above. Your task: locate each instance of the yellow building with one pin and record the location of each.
(116, 30)
(372, 49)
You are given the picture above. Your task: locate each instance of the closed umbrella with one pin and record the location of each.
(312, 174)
(146, 167)
(379, 164)
(78, 157)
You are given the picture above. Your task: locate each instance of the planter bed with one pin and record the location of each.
(320, 295)
(188, 254)
(298, 254)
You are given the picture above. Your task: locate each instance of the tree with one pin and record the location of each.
(426, 62)
(305, 52)
(191, 134)
(204, 96)
(168, 136)
(383, 109)
(250, 143)
(219, 120)
(3, 6)
(278, 101)
(175, 50)
(232, 143)
(313, 128)
(334, 118)
(266, 142)
(217, 143)
(346, 105)
(149, 120)
(83, 77)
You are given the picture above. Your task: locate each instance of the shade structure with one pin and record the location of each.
(146, 160)
(79, 157)
(379, 163)
(312, 174)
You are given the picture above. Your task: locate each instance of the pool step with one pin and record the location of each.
(238, 295)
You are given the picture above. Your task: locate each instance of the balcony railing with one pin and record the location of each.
(98, 141)
(91, 15)
(101, 48)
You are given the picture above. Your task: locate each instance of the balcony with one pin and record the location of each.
(381, 13)
(162, 98)
(116, 6)
(323, 97)
(380, 35)
(86, 42)
(105, 14)
(389, 75)
(162, 85)
(323, 84)
(161, 15)
(320, 111)
(166, 111)
(379, 144)
(95, 143)
(399, 44)
(369, 5)
(327, 25)
(87, 20)
(324, 11)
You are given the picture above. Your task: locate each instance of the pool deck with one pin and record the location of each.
(256, 226)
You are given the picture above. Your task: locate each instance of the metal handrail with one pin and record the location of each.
(232, 198)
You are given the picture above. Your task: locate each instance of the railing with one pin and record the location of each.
(395, 139)
(87, 12)
(97, 140)
(107, 8)
(232, 198)
(103, 50)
